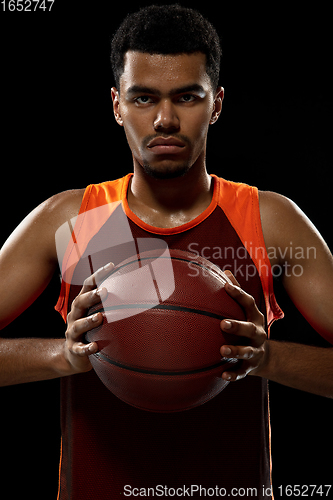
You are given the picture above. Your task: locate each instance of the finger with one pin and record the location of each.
(237, 352)
(232, 277)
(81, 349)
(243, 369)
(255, 334)
(79, 328)
(82, 326)
(84, 301)
(95, 279)
(247, 302)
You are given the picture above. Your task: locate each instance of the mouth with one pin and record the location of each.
(169, 145)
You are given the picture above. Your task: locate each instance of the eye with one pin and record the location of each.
(187, 98)
(143, 99)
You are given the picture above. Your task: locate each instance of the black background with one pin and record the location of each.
(58, 133)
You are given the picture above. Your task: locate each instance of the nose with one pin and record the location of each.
(166, 119)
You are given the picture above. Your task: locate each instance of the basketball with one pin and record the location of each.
(159, 343)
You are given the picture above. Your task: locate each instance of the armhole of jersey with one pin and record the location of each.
(240, 203)
(104, 197)
(62, 302)
(263, 265)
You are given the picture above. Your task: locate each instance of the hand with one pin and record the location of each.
(253, 355)
(76, 352)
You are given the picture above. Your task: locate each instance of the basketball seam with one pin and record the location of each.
(163, 373)
(169, 307)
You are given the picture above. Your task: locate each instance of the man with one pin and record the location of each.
(166, 97)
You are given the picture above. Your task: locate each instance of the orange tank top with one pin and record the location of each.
(111, 450)
(239, 202)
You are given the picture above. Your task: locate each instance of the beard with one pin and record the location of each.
(166, 172)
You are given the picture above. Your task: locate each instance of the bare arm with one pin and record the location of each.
(300, 366)
(29, 360)
(27, 262)
(310, 287)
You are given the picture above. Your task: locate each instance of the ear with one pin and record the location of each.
(219, 96)
(116, 105)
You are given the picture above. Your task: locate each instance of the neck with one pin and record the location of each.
(170, 202)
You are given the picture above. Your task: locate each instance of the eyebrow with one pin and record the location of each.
(140, 89)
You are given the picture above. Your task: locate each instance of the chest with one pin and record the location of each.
(214, 239)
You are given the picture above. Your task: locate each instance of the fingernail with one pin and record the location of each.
(227, 325)
(226, 351)
(91, 348)
(101, 292)
(231, 286)
(108, 266)
(94, 317)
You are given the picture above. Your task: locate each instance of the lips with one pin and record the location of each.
(168, 145)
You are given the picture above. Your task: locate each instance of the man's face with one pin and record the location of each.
(166, 103)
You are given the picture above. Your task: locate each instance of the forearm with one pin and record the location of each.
(299, 366)
(31, 359)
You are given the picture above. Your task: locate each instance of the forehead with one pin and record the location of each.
(164, 71)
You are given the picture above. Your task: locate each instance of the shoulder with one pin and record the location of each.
(284, 224)
(62, 206)
(36, 231)
(275, 212)
(280, 211)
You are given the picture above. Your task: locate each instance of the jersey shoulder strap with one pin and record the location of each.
(98, 203)
(240, 203)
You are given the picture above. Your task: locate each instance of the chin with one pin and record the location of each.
(171, 172)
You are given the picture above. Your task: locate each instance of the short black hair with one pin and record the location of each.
(166, 29)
